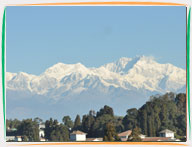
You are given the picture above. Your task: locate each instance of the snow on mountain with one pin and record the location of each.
(127, 73)
(9, 76)
(19, 81)
(120, 66)
(116, 83)
(60, 70)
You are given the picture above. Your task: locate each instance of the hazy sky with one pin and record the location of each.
(39, 37)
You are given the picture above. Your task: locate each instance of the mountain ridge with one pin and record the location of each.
(139, 72)
(117, 84)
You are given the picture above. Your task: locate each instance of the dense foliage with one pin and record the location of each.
(135, 135)
(67, 121)
(29, 130)
(163, 112)
(55, 131)
(110, 133)
(160, 112)
(77, 123)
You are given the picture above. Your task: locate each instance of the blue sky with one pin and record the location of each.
(39, 37)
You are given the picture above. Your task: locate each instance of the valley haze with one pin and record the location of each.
(71, 89)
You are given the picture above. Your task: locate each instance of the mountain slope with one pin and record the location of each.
(75, 85)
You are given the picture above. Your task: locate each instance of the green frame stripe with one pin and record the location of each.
(3, 70)
(188, 70)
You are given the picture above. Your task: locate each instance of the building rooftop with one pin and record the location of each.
(78, 132)
(128, 132)
(166, 131)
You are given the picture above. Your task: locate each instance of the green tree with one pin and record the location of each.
(157, 121)
(12, 123)
(100, 123)
(94, 125)
(130, 120)
(38, 120)
(181, 102)
(55, 131)
(29, 129)
(87, 124)
(59, 133)
(117, 121)
(181, 125)
(106, 110)
(77, 123)
(135, 135)
(163, 112)
(143, 120)
(67, 122)
(7, 124)
(110, 133)
(24, 138)
(48, 128)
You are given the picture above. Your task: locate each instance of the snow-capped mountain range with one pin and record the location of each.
(125, 80)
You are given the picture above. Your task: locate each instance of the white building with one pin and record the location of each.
(10, 138)
(13, 138)
(142, 136)
(18, 138)
(43, 139)
(167, 133)
(78, 136)
(41, 126)
(124, 135)
(41, 131)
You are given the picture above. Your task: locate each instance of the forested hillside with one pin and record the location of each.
(160, 112)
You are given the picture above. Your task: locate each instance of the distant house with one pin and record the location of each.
(41, 132)
(18, 138)
(94, 139)
(43, 139)
(164, 135)
(42, 126)
(10, 138)
(14, 138)
(167, 133)
(142, 136)
(78, 136)
(124, 135)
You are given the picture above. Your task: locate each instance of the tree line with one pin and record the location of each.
(166, 111)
